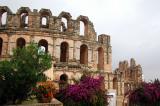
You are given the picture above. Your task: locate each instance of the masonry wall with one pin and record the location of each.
(50, 31)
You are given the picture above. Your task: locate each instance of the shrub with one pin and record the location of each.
(21, 73)
(88, 92)
(147, 94)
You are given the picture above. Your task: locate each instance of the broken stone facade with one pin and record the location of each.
(72, 53)
(126, 77)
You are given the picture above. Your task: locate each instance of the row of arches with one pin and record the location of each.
(64, 54)
(45, 15)
(20, 43)
(83, 24)
(64, 51)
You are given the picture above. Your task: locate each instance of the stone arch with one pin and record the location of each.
(85, 21)
(64, 77)
(1, 45)
(115, 83)
(66, 15)
(24, 12)
(65, 19)
(44, 22)
(64, 52)
(24, 19)
(21, 42)
(64, 24)
(43, 43)
(100, 58)
(5, 8)
(4, 11)
(63, 82)
(45, 14)
(3, 18)
(84, 54)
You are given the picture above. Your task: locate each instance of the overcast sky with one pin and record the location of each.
(134, 26)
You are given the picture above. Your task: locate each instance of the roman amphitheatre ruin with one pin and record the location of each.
(73, 52)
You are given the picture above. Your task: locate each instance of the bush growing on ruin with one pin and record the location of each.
(21, 73)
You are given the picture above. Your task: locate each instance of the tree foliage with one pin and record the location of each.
(18, 75)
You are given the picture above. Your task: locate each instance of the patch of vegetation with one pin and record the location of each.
(21, 73)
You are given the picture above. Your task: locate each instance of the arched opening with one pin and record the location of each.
(1, 43)
(21, 42)
(63, 82)
(63, 24)
(84, 54)
(83, 25)
(64, 52)
(43, 43)
(100, 58)
(45, 15)
(115, 83)
(44, 21)
(24, 20)
(82, 28)
(3, 18)
(64, 77)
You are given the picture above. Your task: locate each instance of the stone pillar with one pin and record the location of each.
(74, 50)
(71, 53)
(57, 52)
(89, 55)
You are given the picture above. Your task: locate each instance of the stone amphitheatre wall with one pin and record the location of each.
(70, 48)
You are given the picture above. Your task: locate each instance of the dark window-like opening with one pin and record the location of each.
(64, 52)
(3, 18)
(115, 83)
(21, 42)
(64, 77)
(43, 43)
(63, 24)
(84, 54)
(24, 20)
(1, 43)
(100, 59)
(63, 82)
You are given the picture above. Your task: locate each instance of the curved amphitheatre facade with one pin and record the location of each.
(73, 46)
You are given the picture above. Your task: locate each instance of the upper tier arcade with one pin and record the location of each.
(44, 20)
(67, 40)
